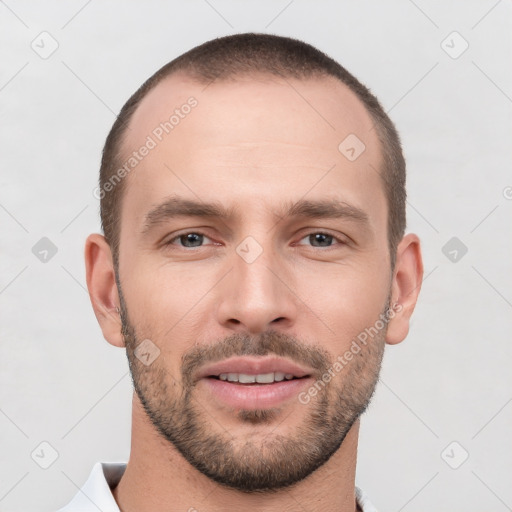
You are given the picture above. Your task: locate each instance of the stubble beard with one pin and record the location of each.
(274, 461)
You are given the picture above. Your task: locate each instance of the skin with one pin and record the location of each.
(250, 144)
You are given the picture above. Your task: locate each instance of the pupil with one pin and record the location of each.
(191, 238)
(321, 238)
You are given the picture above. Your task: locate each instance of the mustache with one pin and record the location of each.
(242, 344)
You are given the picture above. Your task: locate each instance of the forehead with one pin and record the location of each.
(252, 139)
(259, 101)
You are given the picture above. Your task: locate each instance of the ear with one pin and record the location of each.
(102, 288)
(405, 287)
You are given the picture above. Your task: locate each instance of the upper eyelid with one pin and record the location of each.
(179, 235)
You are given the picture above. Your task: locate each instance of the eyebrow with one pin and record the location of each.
(175, 206)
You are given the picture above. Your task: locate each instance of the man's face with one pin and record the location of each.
(267, 291)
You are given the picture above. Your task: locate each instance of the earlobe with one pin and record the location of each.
(102, 288)
(405, 288)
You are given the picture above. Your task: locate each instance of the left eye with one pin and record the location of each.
(321, 239)
(190, 240)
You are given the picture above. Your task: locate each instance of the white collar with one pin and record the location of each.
(96, 493)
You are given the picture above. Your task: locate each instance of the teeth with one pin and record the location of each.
(246, 379)
(262, 378)
(265, 378)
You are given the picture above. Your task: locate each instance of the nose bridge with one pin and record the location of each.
(252, 265)
(253, 295)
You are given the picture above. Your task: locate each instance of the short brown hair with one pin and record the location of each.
(242, 54)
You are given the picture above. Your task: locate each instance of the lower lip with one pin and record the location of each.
(255, 396)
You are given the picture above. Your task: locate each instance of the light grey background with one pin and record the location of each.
(60, 382)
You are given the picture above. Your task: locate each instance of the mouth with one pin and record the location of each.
(261, 378)
(254, 382)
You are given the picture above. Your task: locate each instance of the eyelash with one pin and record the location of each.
(337, 239)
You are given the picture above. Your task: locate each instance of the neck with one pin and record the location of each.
(158, 478)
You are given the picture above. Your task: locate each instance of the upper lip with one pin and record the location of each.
(253, 366)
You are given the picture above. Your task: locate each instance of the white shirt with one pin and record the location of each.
(96, 493)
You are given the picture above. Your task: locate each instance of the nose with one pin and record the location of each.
(256, 296)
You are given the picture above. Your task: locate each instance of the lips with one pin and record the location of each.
(249, 370)
(254, 382)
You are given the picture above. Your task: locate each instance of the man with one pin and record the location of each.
(254, 265)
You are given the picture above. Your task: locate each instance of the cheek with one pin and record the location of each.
(344, 301)
(167, 301)
(166, 290)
